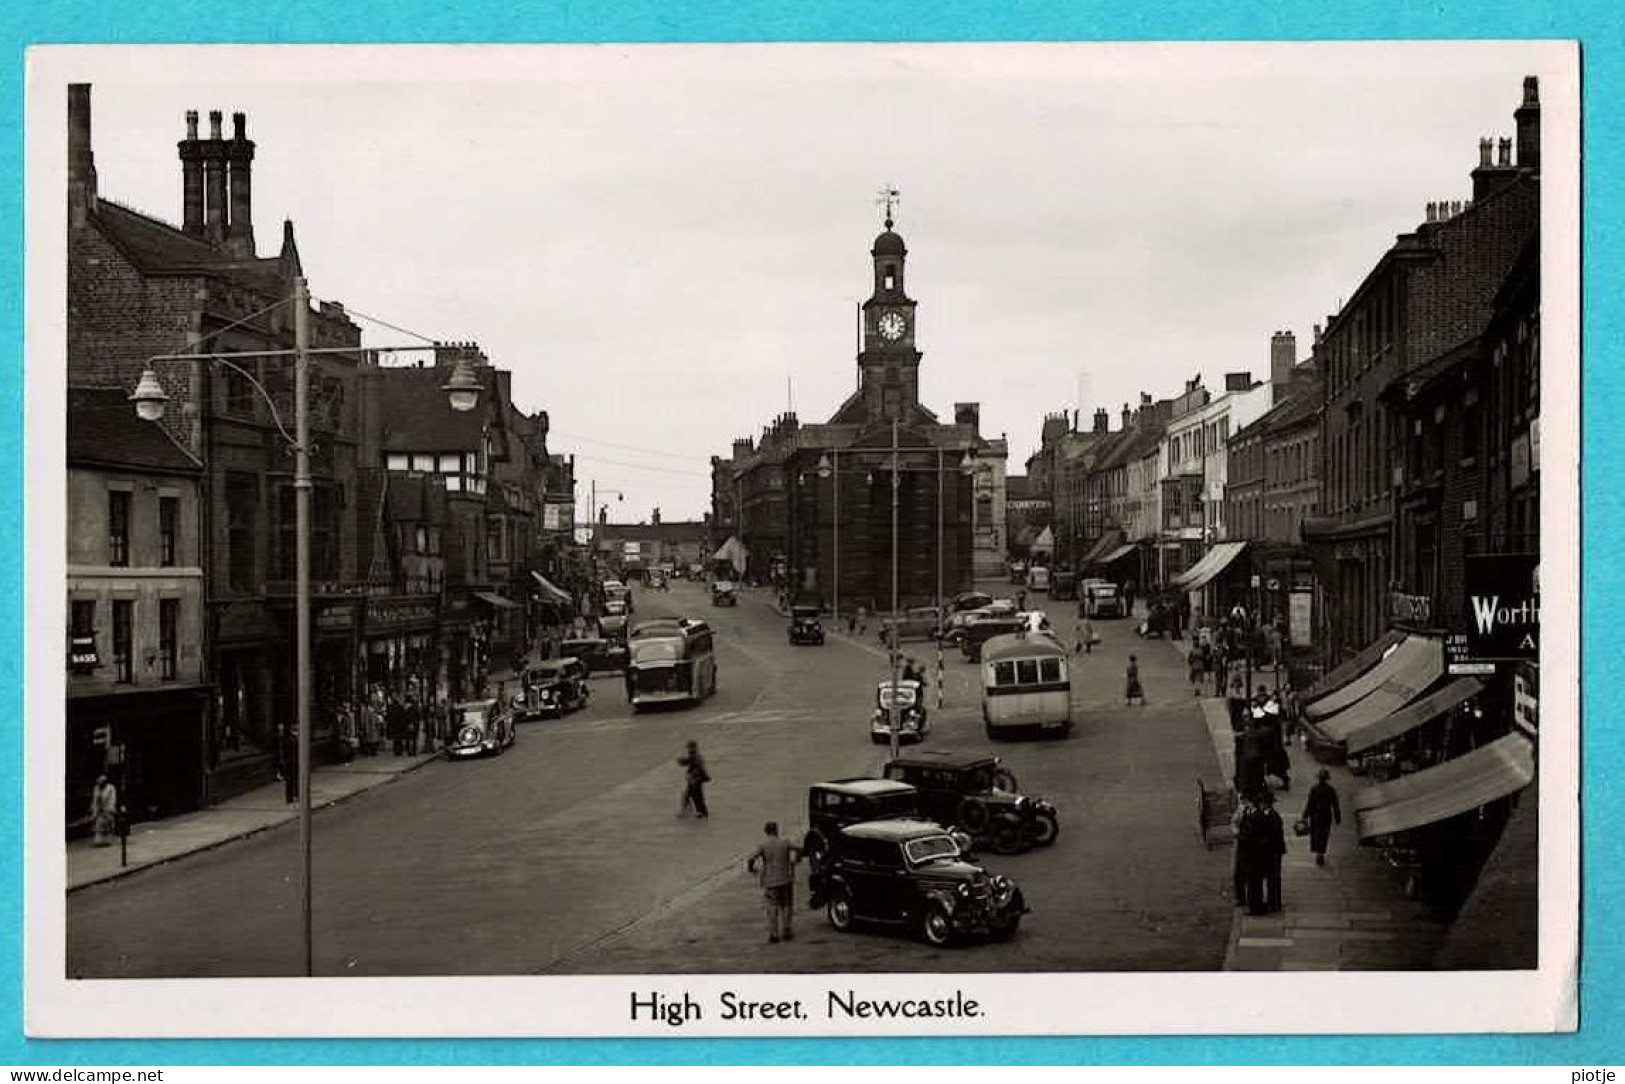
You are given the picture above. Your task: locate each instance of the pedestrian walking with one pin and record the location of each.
(1021, 600)
(1080, 635)
(1272, 848)
(1132, 690)
(1320, 811)
(695, 777)
(863, 620)
(103, 812)
(1196, 668)
(1128, 599)
(371, 728)
(344, 727)
(1089, 637)
(776, 859)
(1240, 869)
(414, 721)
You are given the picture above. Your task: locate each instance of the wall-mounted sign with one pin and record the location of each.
(1410, 609)
(385, 615)
(1503, 606)
(82, 657)
(1300, 618)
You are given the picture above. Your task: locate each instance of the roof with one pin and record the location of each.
(943, 758)
(889, 243)
(868, 788)
(103, 430)
(419, 418)
(156, 247)
(1013, 645)
(893, 829)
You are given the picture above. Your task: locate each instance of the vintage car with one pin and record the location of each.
(657, 580)
(1063, 585)
(953, 630)
(596, 654)
(981, 629)
(479, 728)
(724, 593)
(915, 623)
(912, 874)
(1018, 572)
(913, 722)
(1100, 598)
(805, 627)
(970, 600)
(974, 792)
(551, 688)
(613, 627)
(834, 805)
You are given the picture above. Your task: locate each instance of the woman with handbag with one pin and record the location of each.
(1320, 812)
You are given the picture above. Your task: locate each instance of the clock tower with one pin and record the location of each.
(888, 367)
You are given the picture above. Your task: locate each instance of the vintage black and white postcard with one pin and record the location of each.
(803, 539)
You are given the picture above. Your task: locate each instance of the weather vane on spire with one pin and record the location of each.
(889, 198)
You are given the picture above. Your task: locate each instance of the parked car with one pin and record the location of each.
(805, 627)
(917, 623)
(613, 627)
(970, 600)
(913, 722)
(976, 793)
(1063, 585)
(953, 630)
(724, 593)
(1038, 578)
(1100, 598)
(911, 874)
(834, 805)
(657, 580)
(596, 654)
(479, 728)
(1018, 572)
(551, 688)
(980, 631)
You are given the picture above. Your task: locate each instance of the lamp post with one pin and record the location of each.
(462, 392)
(828, 470)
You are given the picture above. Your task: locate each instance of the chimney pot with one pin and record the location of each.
(191, 124)
(1505, 151)
(239, 127)
(1484, 152)
(214, 124)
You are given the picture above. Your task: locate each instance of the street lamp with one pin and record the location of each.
(463, 392)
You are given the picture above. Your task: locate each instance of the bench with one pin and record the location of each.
(1216, 812)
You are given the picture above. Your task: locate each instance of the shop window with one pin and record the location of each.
(169, 619)
(123, 640)
(118, 528)
(169, 509)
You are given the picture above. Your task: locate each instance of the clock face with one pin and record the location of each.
(892, 325)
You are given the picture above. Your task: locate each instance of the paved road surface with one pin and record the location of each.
(565, 854)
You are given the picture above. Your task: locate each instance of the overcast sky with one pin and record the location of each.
(664, 244)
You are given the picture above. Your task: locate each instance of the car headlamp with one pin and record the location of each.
(469, 735)
(963, 889)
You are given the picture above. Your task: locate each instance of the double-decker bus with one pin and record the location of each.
(671, 660)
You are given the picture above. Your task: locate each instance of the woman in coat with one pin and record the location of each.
(1321, 810)
(103, 812)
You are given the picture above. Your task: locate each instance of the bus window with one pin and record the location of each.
(1004, 673)
(1027, 671)
(1049, 670)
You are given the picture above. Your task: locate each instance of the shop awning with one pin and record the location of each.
(1413, 665)
(1104, 544)
(1118, 554)
(733, 552)
(495, 599)
(549, 592)
(1045, 542)
(1213, 562)
(1414, 715)
(1407, 680)
(1353, 668)
(1503, 767)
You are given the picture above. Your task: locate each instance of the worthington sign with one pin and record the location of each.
(1503, 605)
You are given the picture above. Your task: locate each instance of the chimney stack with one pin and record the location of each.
(214, 181)
(1102, 420)
(1128, 416)
(239, 155)
(1527, 119)
(1238, 381)
(81, 155)
(1505, 153)
(191, 152)
(969, 414)
(1283, 356)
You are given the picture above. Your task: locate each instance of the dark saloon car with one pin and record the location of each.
(834, 805)
(596, 654)
(918, 623)
(551, 688)
(980, 630)
(479, 728)
(974, 792)
(911, 874)
(805, 627)
(724, 593)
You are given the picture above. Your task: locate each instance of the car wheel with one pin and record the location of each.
(1042, 829)
(937, 927)
(1004, 779)
(839, 908)
(814, 846)
(1005, 835)
(973, 815)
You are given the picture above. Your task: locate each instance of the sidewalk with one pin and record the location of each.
(1348, 915)
(153, 843)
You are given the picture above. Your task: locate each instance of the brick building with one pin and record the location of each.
(815, 501)
(139, 287)
(1430, 296)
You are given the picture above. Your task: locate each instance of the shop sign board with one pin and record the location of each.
(1300, 618)
(1503, 606)
(1526, 697)
(386, 615)
(82, 657)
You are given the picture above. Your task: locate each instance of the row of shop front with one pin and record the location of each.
(174, 750)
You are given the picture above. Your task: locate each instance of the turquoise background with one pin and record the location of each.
(1597, 25)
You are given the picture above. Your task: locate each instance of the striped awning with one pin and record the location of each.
(1105, 542)
(1213, 562)
(1503, 767)
(549, 592)
(1410, 667)
(1118, 554)
(1341, 675)
(496, 600)
(1401, 722)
